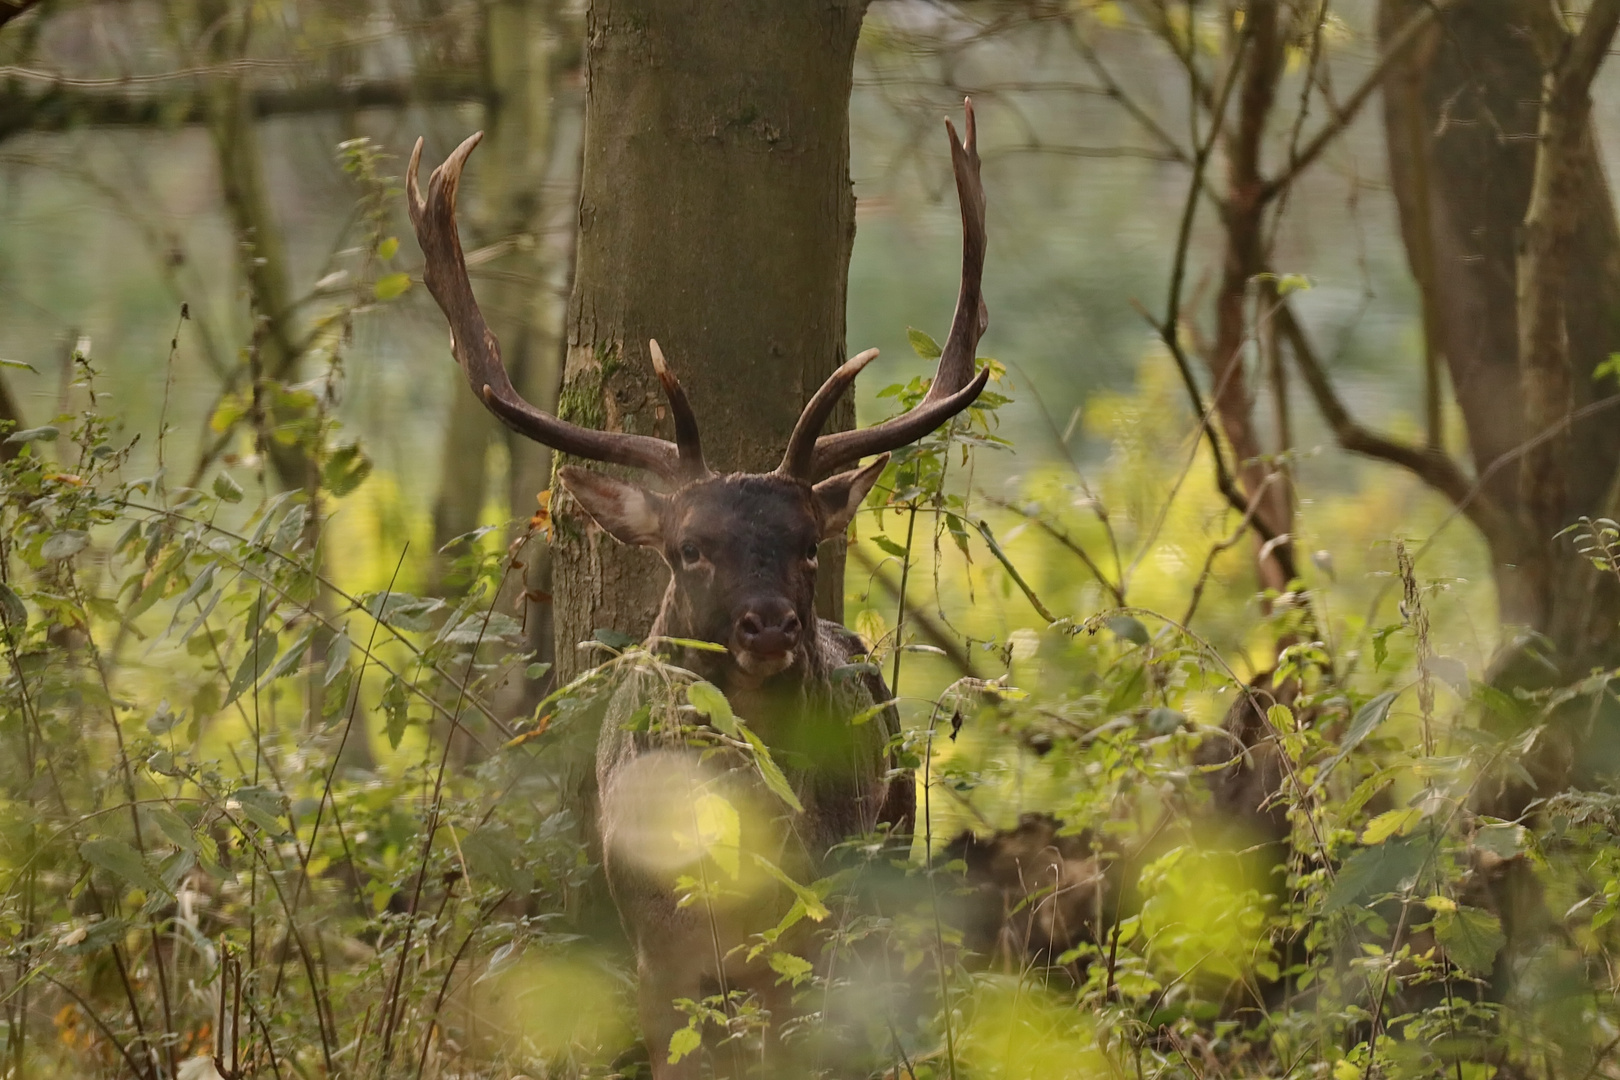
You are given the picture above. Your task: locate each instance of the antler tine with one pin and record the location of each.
(479, 354)
(688, 445)
(798, 460)
(955, 386)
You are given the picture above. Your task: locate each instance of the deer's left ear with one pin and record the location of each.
(838, 497)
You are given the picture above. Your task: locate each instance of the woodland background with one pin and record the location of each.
(1304, 316)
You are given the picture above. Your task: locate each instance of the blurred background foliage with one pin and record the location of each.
(289, 791)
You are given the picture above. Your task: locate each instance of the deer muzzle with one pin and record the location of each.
(765, 636)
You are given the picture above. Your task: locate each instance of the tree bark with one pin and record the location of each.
(716, 216)
(1510, 228)
(1245, 257)
(1466, 129)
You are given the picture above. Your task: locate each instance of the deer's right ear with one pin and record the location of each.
(838, 497)
(629, 513)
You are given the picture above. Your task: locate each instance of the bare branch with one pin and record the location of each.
(1429, 464)
(1404, 39)
(63, 106)
(925, 624)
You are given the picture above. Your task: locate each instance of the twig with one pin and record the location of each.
(936, 634)
(1403, 39)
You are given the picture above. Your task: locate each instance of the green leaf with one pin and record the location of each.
(813, 905)
(12, 609)
(707, 699)
(123, 862)
(694, 643)
(337, 656)
(388, 247)
(198, 586)
(1471, 937)
(261, 806)
(613, 639)
(253, 666)
(768, 770)
(494, 855)
(793, 969)
(226, 489)
(1129, 629)
(173, 827)
(1374, 871)
(164, 719)
(1391, 823)
(29, 435)
(870, 713)
(289, 659)
(391, 285)
(683, 1042)
(397, 708)
(889, 546)
(152, 591)
(97, 936)
(345, 469)
(64, 545)
(923, 345)
(1502, 838)
(1368, 717)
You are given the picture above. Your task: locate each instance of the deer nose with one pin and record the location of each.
(769, 627)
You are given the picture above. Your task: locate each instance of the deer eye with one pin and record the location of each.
(810, 551)
(690, 553)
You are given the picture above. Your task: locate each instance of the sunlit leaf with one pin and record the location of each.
(391, 285)
(683, 1042)
(769, 771)
(707, 699)
(922, 344)
(1391, 823)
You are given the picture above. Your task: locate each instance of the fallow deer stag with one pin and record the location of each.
(741, 550)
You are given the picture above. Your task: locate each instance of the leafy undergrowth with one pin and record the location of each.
(261, 826)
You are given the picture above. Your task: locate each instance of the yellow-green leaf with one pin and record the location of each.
(1391, 823)
(391, 285)
(769, 772)
(683, 1042)
(707, 699)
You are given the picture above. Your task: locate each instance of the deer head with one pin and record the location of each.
(741, 547)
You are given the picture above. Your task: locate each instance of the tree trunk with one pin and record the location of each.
(716, 216)
(1463, 116)
(1465, 129)
(1265, 485)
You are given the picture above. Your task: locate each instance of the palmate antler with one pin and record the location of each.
(810, 455)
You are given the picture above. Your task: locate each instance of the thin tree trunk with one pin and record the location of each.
(1245, 257)
(716, 216)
